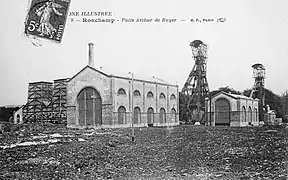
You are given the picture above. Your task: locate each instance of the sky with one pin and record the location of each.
(254, 32)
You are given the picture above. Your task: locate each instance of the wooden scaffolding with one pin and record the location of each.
(38, 107)
(46, 102)
(59, 101)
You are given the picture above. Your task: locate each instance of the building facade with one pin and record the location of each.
(96, 99)
(226, 109)
(46, 103)
(92, 98)
(18, 116)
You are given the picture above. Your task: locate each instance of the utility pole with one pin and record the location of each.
(132, 112)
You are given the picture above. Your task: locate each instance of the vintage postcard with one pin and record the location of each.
(144, 89)
(46, 19)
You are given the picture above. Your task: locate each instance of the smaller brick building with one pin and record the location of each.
(232, 110)
(18, 116)
(96, 99)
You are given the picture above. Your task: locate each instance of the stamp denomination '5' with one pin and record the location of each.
(46, 19)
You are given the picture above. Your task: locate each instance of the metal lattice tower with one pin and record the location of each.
(258, 88)
(196, 86)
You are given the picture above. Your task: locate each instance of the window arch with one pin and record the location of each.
(173, 115)
(89, 106)
(256, 114)
(18, 119)
(250, 114)
(136, 115)
(150, 94)
(150, 115)
(162, 115)
(136, 93)
(172, 97)
(243, 113)
(222, 112)
(121, 91)
(162, 96)
(121, 115)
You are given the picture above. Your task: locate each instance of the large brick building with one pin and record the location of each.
(92, 98)
(95, 98)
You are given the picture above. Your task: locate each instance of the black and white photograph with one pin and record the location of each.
(136, 90)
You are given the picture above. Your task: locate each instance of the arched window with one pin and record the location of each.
(162, 116)
(136, 93)
(172, 97)
(256, 115)
(150, 115)
(244, 114)
(121, 91)
(121, 115)
(250, 114)
(162, 96)
(150, 94)
(137, 115)
(173, 115)
(18, 119)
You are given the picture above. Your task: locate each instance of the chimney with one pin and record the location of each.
(91, 54)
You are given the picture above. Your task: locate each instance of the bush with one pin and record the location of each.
(5, 127)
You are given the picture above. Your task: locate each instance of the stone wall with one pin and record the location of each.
(144, 102)
(89, 77)
(237, 116)
(19, 114)
(108, 88)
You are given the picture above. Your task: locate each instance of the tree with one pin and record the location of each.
(274, 101)
(7, 112)
(284, 101)
(184, 112)
(226, 89)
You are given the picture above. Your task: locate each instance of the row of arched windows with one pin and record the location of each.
(150, 115)
(150, 95)
(247, 115)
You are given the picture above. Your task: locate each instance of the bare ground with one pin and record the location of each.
(184, 152)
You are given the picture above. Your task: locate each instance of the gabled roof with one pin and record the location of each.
(121, 77)
(234, 96)
(21, 107)
(90, 68)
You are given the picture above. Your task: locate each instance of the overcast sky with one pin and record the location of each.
(254, 32)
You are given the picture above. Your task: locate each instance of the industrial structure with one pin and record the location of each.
(266, 114)
(46, 102)
(196, 86)
(258, 88)
(98, 99)
(93, 98)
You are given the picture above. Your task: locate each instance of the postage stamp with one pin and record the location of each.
(46, 19)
